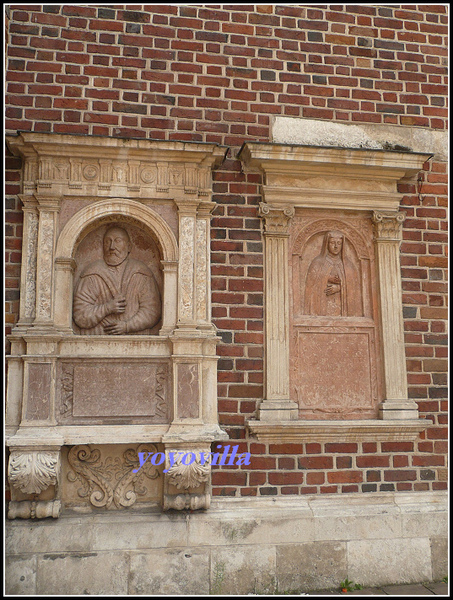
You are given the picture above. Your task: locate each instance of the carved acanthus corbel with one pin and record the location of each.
(34, 471)
(31, 472)
(187, 483)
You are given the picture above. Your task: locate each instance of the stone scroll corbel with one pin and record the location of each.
(31, 472)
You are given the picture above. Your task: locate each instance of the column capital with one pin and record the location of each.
(388, 225)
(48, 203)
(276, 219)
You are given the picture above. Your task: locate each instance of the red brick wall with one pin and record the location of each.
(220, 74)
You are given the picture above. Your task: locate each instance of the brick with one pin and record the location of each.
(400, 475)
(345, 477)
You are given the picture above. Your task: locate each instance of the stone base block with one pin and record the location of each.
(240, 546)
(278, 410)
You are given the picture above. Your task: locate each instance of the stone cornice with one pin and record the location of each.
(308, 176)
(59, 165)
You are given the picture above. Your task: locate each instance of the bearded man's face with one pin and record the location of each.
(116, 246)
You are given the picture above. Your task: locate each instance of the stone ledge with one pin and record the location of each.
(240, 546)
(108, 434)
(290, 130)
(372, 430)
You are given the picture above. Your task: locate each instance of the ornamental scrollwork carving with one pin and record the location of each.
(113, 481)
(34, 471)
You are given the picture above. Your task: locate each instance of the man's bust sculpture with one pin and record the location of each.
(117, 294)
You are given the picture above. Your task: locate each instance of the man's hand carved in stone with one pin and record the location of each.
(116, 328)
(116, 304)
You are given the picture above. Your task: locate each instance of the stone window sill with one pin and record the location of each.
(371, 430)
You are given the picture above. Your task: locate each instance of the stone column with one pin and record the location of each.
(169, 308)
(388, 235)
(48, 207)
(29, 255)
(187, 254)
(276, 405)
(202, 267)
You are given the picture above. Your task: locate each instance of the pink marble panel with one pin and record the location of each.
(333, 374)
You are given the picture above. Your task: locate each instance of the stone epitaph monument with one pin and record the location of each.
(335, 358)
(114, 352)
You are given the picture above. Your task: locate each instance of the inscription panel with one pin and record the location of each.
(333, 374)
(101, 391)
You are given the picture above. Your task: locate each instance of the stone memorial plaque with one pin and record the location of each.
(101, 390)
(334, 377)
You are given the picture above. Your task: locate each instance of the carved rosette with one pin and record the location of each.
(188, 480)
(34, 471)
(112, 482)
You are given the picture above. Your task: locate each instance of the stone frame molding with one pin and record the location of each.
(73, 185)
(332, 179)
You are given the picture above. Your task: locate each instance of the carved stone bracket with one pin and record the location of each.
(187, 483)
(34, 471)
(30, 472)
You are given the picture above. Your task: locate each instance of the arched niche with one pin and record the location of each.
(356, 256)
(88, 224)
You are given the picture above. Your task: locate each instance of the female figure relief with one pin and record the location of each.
(332, 286)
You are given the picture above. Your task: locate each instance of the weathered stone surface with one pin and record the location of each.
(170, 571)
(311, 566)
(82, 573)
(386, 561)
(366, 135)
(244, 545)
(20, 575)
(246, 570)
(439, 556)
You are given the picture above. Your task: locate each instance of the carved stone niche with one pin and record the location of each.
(114, 351)
(335, 356)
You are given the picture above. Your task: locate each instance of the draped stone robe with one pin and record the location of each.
(323, 269)
(99, 283)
